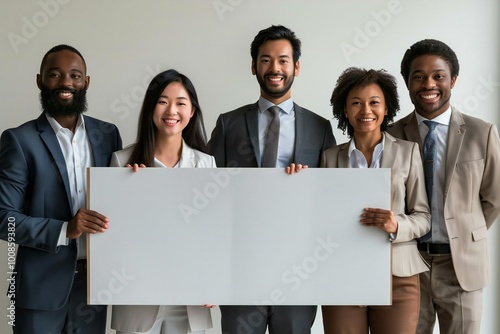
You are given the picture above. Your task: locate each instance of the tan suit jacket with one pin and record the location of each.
(141, 318)
(471, 191)
(409, 199)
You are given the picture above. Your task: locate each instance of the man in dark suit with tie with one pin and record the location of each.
(273, 132)
(42, 200)
(461, 156)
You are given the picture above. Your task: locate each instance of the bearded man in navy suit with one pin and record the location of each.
(42, 200)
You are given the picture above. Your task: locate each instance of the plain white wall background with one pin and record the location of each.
(127, 42)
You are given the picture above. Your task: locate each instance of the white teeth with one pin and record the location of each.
(170, 121)
(275, 79)
(367, 119)
(427, 97)
(66, 94)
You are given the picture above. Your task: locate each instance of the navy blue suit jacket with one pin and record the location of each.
(235, 138)
(35, 194)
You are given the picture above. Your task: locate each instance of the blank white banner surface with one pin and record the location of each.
(192, 236)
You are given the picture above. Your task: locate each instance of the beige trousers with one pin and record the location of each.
(458, 311)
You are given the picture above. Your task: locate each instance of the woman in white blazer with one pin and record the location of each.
(364, 102)
(171, 134)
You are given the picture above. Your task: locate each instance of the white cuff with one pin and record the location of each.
(63, 240)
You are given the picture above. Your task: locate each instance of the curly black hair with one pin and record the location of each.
(359, 77)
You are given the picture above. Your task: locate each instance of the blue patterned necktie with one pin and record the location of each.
(270, 154)
(430, 150)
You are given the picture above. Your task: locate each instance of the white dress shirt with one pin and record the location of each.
(78, 156)
(358, 160)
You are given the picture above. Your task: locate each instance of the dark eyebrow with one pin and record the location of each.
(280, 56)
(178, 98)
(371, 97)
(433, 71)
(58, 69)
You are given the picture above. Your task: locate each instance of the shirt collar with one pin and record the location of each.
(57, 127)
(444, 118)
(376, 152)
(286, 106)
(185, 154)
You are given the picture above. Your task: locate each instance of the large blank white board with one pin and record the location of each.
(238, 236)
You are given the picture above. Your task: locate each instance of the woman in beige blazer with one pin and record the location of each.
(171, 134)
(364, 102)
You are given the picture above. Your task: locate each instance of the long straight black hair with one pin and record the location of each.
(193, 134)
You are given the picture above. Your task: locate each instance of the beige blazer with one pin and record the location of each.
(140, 318)
(471, 191)
(409, 199)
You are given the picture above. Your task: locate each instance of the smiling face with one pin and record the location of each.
(365, 108)
(173, 110)
(63, 84)
(430, 83)
(275, 70)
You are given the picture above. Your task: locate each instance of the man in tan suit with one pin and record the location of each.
(464, 195)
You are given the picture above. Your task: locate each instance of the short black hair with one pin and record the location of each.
(429, 47)
(359, 77)
(62, 47)
(275, 32)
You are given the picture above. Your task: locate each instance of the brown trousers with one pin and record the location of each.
(401, 317)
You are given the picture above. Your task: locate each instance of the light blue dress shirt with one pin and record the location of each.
(438, 234)
(286, 144)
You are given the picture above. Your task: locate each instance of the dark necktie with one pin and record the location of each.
(430, 158)
(270, 154)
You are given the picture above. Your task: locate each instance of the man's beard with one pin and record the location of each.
(54, 107)
(275, 92)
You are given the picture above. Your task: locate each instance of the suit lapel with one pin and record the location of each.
(412, 132)
(48, 136)
(92, 128)
(391, 150)
(300, 132)
(187, 156)
(251, 116)
(343, 157)
(456, 134)
(411, 129)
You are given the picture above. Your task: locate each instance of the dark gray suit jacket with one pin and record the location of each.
(35, 193)
(235, 138)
